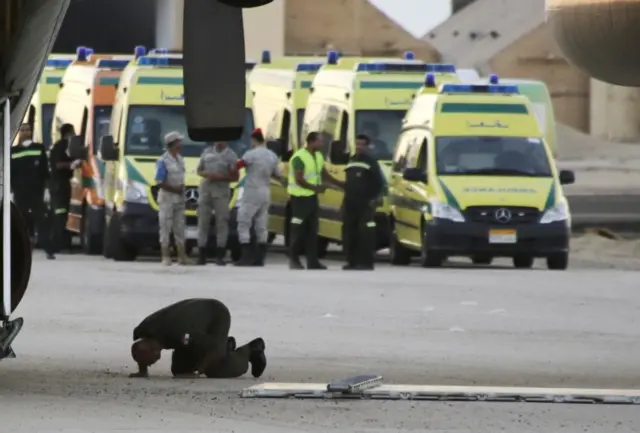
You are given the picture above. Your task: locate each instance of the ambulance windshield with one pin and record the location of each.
(148, 124)
(47, 121)
(492, 156)
(383, 128)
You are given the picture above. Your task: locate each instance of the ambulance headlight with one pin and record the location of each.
(446, 212)
(560, 212)
(136, 192)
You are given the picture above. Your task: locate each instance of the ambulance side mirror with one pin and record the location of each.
(338, 153)
(567, 177)
(108, 149)
(414, 175)
(77, 149)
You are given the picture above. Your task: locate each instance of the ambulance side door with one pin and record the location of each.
(398, 186)
(416, 191)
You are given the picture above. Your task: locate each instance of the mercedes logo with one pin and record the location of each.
(191, 195)
(503, 215)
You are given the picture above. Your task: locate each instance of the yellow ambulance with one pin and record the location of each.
(473, 176)
(149, 104)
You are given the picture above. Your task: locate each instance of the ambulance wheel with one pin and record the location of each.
(107, 249)
(121, 252)
(558, 262)
(429, 258)
(523, 262)
(91, 243)
(482, 260)
(400, 255)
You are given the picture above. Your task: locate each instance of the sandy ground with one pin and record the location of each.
(459, 325)
(601, 167)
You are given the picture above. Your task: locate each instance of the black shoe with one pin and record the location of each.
(365, 268)
(317, 266)
(257, 358)
(295, 264)
(231, 344)
(348, 267)
(220, 253)
(261, 254)
(202, 256)
(248, 256)
(51, 256)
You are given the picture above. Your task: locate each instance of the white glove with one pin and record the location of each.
(75, 164)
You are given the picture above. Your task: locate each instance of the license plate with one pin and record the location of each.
(504, 236)
(191, 233)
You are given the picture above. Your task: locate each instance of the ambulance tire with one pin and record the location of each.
(400, 255)
(482, 260)
(91, 243)
(121, 251)
(107, 248)
(558, 262)
(523, 262)
(429, 258)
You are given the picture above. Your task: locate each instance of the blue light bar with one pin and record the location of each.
(266, 56)
(112, 63)
(391, 67)
(59, 63)
(333, 57)
(483, 88)
(159, 51)
(308, 67)
(160, 61)
(441, 68)
(89, 51)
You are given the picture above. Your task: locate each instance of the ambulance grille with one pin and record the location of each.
(488, 214)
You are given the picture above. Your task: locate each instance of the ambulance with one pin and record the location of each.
(149, 104)
(473, 176)
(280, 91)
(43, 102)
(362, 96)
(87, 93)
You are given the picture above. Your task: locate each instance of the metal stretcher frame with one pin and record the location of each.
(381, 391)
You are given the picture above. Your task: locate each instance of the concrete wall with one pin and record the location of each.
(352, 26)
(536, 56)
(264, 29)
(615, 112)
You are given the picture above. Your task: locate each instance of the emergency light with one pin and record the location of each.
(160, 61)
(441, 68)
(333, 57)
(483, 88)
(58, 63)
(139, 51)
(117, 64)
(81, 54)
(308, 67)
(159, 51)
(493, 79)
(266, 56)
(391, 67)
(409, 55)
(430, 81)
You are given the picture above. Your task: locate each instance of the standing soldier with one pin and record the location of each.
(62, 167)
(217, 167)
(170, 177)
(261, 165)
(364, 185)
(305, 183)
(29, 176)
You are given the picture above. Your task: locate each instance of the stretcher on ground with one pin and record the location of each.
(371, 387)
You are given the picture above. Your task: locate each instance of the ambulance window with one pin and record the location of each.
(344, 127)
(300, 124)
(400, 158)
(422, 156)
(329, 126)
(273, 128)
(413, 151)
(285, 127)
(101, 124)
(313, 119)
(46, 122)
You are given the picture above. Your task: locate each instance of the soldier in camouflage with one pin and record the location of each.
(170, 177)
(261, 165)
(217, 167)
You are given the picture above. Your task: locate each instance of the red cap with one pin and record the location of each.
(257, 131)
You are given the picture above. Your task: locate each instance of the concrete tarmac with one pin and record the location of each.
(453, 326)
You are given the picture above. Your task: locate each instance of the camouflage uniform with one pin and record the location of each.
(261, 165)
(214, 197)
(172, 206)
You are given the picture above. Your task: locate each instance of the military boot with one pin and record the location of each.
(257, 358)
(183, 259)
(220, 253)
(248, 257)
(166, 256)
(261, 254)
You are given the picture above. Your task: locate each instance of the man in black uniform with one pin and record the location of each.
(363, 187)
(198, 332)
(29, 176)
(62, 167)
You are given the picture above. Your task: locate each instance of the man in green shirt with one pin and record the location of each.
(305, 183)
